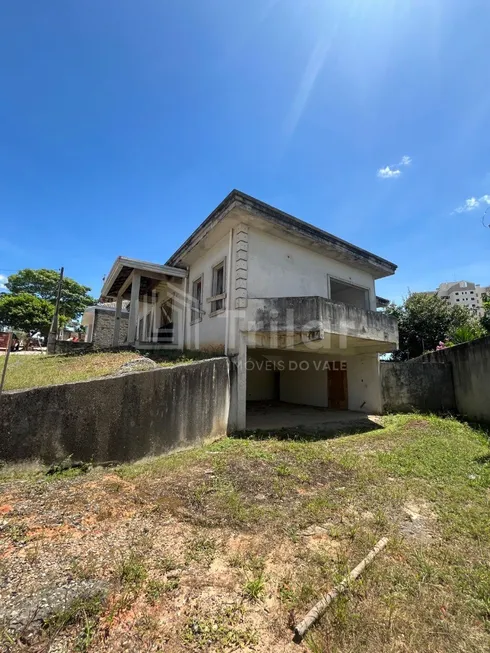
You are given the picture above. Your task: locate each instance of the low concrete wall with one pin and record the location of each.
(69, 347)
(470, 364)
(417, 385)
(119, 418)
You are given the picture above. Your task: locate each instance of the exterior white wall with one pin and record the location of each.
(88, 322)
(364, 384)
(210, 332)
(279, 268)
(260, 385)
(307, 387)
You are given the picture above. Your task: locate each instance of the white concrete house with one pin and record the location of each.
(294, 305)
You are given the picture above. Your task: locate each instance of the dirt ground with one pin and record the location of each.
(224, 548)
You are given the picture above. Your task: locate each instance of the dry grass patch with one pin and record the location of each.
(220, 548)
(39, 370)
(33, 371)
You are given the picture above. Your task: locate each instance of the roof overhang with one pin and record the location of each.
(238, 206)
(151, 275)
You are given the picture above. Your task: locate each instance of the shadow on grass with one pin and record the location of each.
(303, 434)
(483, 460)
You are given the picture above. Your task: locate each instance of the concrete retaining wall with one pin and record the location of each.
(470, 364)
(68, 347)
(453, 379)
(416, 385)
(118, 418)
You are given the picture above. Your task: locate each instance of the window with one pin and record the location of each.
(196, 310)
(348, 293)
(218, 288)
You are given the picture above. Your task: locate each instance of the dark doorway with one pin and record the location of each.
(337, 389)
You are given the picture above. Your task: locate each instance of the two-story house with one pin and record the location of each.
(294, 305)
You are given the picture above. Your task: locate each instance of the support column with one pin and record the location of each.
(242, 383)
(117, 321)
(134, 308)
(155, 321)
(238, 387)
(145, 320)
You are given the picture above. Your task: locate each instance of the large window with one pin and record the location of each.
(218, 288)
(196, 310)
(347, 293)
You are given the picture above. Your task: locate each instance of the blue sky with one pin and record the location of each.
(124, 123)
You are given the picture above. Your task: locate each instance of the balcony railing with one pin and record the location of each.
(317, 316)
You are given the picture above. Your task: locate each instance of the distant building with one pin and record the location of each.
(463, 293)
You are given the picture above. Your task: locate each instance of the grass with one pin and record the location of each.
(33, 371)
(254, 588)
(133, 572)
(219, 632)
(258, 529)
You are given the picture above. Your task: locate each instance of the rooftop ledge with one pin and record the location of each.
(313, 317)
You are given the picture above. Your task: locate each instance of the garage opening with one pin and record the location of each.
(286, 389)
(347, 293)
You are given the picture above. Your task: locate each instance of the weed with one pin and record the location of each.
(254, 588)
(132, 571)
(283, 470)
(82, 610)
(201, 549)
(222, 631)
(166, 564)
(155, 589)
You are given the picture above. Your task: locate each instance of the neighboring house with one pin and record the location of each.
(295, 305)
(463, 293)
(99, 322)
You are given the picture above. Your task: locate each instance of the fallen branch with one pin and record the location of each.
(320, 608)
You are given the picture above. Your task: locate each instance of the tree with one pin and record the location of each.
(44, 284)
(24, 312)
(424, 321)
(485, 319)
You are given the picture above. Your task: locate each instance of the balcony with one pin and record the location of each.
(318, 323)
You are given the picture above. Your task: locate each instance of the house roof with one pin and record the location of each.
(238, 200)
(151, 274)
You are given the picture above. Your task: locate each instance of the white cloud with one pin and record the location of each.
(3, 281)
(387, 173)
(392, 171)
(472, 203)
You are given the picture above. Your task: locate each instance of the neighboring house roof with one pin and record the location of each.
(237, 199)
(381, 302)
(109, 307)
(112, 305)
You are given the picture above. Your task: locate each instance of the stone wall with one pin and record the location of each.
(104, 328)
(119, 418)
(414, 385)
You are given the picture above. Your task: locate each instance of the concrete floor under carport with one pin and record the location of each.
(278, 415)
